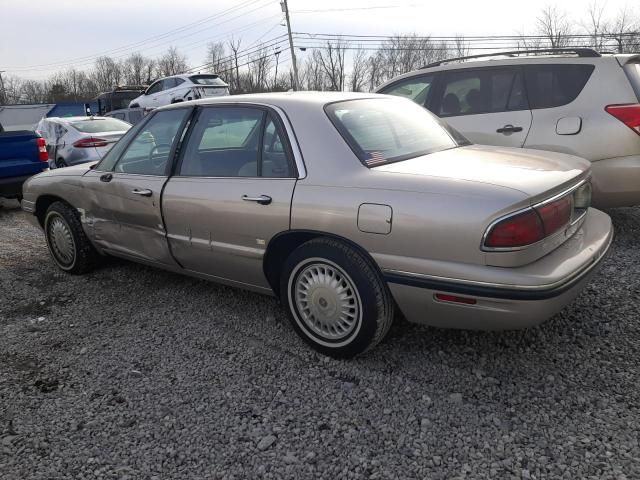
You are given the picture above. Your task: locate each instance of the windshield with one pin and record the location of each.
(100, 125)
(208, 80)
(390, 130)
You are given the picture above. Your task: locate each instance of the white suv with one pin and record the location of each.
(180, 88)
(573, 101)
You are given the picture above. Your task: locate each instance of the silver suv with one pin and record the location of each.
(573, 101)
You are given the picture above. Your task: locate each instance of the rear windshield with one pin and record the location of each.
(633, 72)
(208, 80)
(382, 131)
(555, 85)
(99, 125)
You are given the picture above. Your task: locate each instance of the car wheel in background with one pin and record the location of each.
(338, 302)
(134, 105)
(60, 163)
(69, 246)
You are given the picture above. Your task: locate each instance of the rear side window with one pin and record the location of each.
(207, 80)
(633, 72)
(470, 92)
(555, 85)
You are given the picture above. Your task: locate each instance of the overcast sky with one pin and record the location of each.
(34, 34)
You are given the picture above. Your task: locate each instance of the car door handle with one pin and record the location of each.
(106, 177)
(144, 192)
(261, 199)
(509, 129)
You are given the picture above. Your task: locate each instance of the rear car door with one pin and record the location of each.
(125, 189)
(488, 105)
(231, 193)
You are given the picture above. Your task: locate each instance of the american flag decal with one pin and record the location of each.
(375, 158)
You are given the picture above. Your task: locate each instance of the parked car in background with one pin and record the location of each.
(572, 101)
(118, 98)
(73, 140)
(181, 88)
(23, 153)
(373, 203)
(129, 115)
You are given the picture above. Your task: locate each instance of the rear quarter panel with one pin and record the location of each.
(19, 154)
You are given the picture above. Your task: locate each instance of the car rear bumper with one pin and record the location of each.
(536, 292)
(616, 182)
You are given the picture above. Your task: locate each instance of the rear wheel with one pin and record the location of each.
(60, 163)
(338, 302)
(69, 246)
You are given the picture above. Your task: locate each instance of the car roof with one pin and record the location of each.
(281, 99)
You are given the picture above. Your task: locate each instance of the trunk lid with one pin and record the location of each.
(111, 138)
(535, 173)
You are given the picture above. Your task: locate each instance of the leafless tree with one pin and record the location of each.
(596, 25)
(460, 47)
(217, 58)
(13, 87)
(359, 65)
(260, 64)
(34, 91)
(331, 58)
(623, 31)
(554, 26)
(106, 73)
(136, 68)
(171, 63)
(234, 69)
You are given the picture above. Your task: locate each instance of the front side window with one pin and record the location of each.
(416, 89)
(148, 153)
(388, 130)
(481, 91)
(555, 85)
(235, 142)
(155, 88)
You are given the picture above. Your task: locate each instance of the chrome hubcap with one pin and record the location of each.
(327, 301)
(61, 241)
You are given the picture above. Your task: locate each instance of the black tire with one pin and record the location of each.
(365, 297)
(134, 105)
(60, 163)
(176, 100)
(62, 224)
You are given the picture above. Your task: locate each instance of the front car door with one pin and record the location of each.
(153, 93)
(231, 193)
(125, 190)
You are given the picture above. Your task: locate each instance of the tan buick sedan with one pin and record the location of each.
(345, 206)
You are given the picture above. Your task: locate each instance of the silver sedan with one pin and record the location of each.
(74, 140)
(347, 207)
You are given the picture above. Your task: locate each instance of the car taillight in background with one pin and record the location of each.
(628, 114)
(90, 142)
(539, 222)
(43, 155)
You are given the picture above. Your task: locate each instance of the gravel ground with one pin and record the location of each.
(131, 372)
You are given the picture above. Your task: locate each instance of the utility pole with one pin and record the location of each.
(3, 93)
(285, 9)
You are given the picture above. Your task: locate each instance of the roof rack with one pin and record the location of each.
(581, 52)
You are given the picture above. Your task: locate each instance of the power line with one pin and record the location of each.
(87, 60)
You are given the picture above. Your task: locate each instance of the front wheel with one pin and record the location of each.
(68, 244)
(338, 302)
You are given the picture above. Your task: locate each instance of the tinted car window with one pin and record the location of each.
(148, 152)
(168, 83)
(555, 85)
(178, 81)
(416, 89)
(155, 88)
(481, 91)
(274, 162)
(388, 130)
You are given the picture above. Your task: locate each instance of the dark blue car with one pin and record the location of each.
(23, 153)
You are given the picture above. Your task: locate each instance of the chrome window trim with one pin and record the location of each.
(571, 225)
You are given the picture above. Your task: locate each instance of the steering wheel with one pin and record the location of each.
(155, 162)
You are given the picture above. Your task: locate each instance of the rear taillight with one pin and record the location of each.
(627, 114)
(43, 155)
(555, 215)
(90, 142)
(534, 224)
(516, 231)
